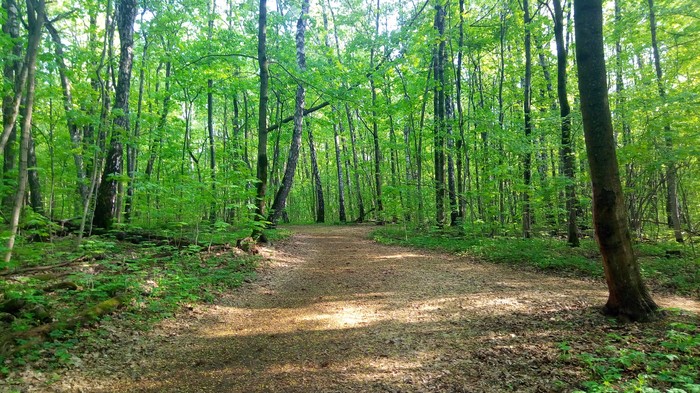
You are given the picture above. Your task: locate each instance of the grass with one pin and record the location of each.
(680, 275)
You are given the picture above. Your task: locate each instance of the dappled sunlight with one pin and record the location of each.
(336, 316)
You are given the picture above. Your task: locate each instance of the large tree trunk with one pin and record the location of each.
(35, 19)
(671, 178)
(281, 196)
(261, 173)
(527, 159)
(628, 297)
(567, 153)
(107, 193)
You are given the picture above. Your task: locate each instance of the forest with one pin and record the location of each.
(153, 149)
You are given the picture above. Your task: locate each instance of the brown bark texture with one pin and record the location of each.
(628, 296)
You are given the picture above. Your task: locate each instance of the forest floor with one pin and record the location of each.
(332, 311)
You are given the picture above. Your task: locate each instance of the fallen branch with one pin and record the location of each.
(41, 333)
(34, 269)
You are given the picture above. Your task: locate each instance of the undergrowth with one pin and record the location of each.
(151, 280)
(665, 266)
(664, 360)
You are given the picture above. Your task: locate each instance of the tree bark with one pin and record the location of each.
(342, 215)
(36, 201)
(15, 72)
(439, 108)
(132, 147)
(75, 134)
(671, 178)
(210, 126)
(107, 193)
(261, 173)
(375, 129)
(281, 196)
(35, 24)
(628, 296)
(567, 153)
(318, 186)
(527, 101)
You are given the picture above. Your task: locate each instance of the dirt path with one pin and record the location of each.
(335, 312)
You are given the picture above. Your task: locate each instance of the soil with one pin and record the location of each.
(332, 311)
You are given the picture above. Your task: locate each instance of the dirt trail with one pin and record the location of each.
(335, 312)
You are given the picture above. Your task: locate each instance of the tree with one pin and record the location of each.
(671, 178)
(527, 102)
(439, 108)
(261, 173)
(35, 24)
(567, 151)
(628, 296)
(281, 196)
(107, 193)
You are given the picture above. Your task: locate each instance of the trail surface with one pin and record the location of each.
(335, 312)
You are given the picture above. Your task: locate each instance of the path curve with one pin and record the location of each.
(335, 312)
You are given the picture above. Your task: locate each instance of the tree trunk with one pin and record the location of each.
(281, 196)
(451, 184)
(15, 72)
(107, 193)
(628, 297)
(35, 199)
(75, 135)
(318, 186)
(132, 147)
(375, 129)
(35, 19)
(339, 168)
(355, 161)
(567, 153)
(439, 105)
(671, 178)
(210, 126)
(461, 145)
(261, 173)
(527, 159)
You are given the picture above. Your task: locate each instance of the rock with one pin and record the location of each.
(40, 313)
(12, 306)
(6, 317)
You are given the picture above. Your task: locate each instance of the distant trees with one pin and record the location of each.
(411, 113)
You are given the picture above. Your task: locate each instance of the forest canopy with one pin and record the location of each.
(441, 113)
